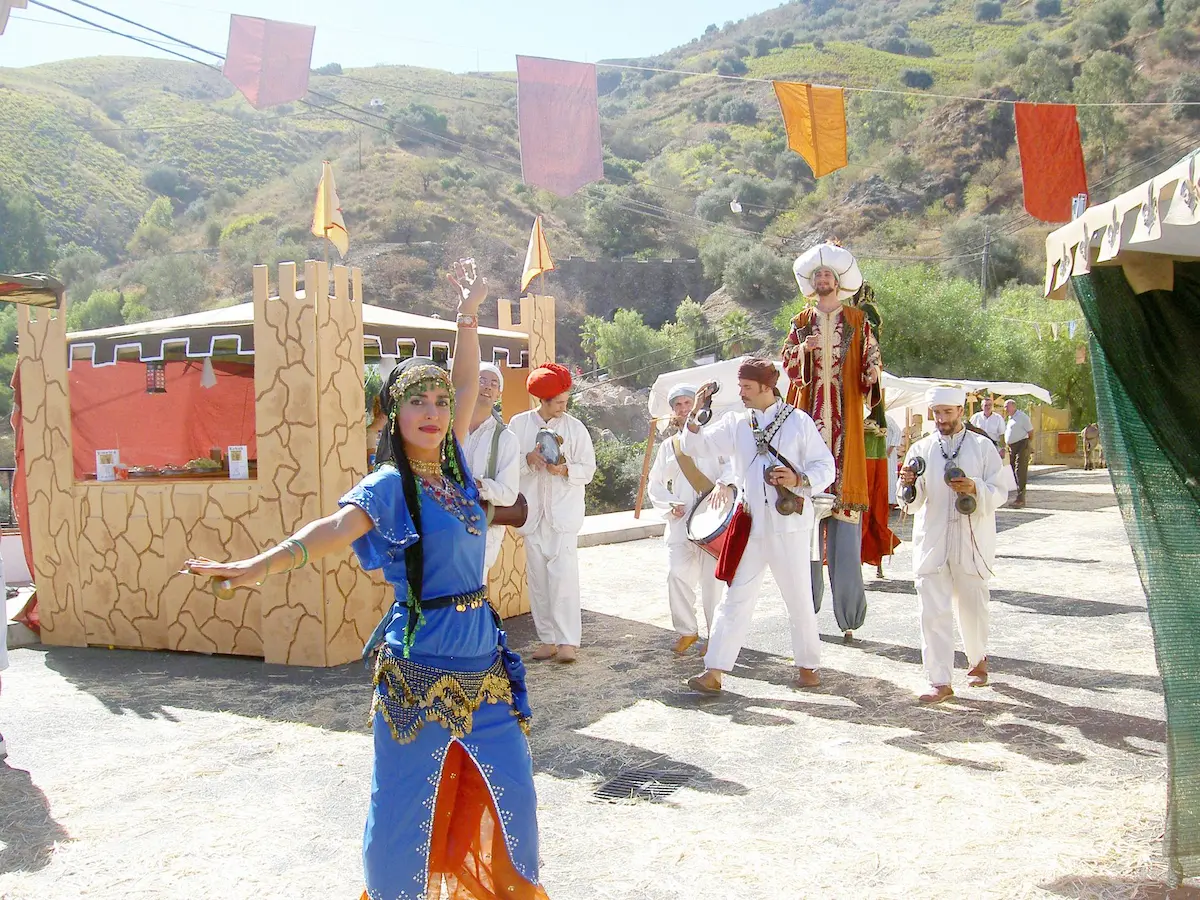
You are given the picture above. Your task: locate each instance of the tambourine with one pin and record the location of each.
(549, 446)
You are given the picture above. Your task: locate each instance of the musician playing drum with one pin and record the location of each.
(676, 483)
(770, 446)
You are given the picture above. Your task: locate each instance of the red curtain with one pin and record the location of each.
(110, 409)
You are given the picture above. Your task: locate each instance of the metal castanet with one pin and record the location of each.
(704, 416)
(964, 503)
(909, 491)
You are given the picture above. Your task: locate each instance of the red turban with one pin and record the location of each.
(548, 381)
(761, 370)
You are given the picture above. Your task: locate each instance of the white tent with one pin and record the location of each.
(901, 395)
(1144, 230)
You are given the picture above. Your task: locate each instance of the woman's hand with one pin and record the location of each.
(240, 573)
(472, 289)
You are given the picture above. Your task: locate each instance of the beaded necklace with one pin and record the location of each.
(953, 456)
(450, 497)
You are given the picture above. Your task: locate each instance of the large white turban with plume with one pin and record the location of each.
(829, 256)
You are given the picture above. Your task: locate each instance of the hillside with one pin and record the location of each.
(430, 167)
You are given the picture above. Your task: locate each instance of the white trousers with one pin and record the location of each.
(941, 597)
(787, 557)
(688, 564)
(552, 568)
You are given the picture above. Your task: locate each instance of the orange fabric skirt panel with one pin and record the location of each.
(467, 851)
(878, 540)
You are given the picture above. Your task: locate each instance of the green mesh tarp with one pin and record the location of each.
(1146, 367)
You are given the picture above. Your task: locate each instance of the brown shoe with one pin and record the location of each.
(544, 651)
(978, 676)
(847, 637)
(685, 641)
(806, 678)
(566, 653)
(707, 682)
(937, 693)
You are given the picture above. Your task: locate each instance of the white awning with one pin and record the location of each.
(1143, 230)
(899, 393)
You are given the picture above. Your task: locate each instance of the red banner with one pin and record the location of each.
(558, 117)
(1051, 159)
(269, 61)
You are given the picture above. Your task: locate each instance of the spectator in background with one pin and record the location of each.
(1018, 434)
(990, 422)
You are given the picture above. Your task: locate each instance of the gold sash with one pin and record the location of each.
(700, 483)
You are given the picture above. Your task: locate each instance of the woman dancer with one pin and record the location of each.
(452, 795)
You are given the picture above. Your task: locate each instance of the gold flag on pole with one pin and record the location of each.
(327, 217)
(537, 257)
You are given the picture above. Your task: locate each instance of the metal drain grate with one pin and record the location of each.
(643, 784)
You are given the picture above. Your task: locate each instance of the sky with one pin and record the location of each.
(459, 35)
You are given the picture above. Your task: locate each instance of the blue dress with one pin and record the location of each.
(458, 689)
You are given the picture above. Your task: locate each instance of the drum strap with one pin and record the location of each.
(700, 482)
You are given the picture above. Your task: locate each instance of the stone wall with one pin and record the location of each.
(654, 287)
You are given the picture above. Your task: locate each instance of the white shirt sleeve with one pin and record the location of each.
(991, 490)
(711, 440)
(581, 460)
(503, 489)
(660, 497)
(818, 466)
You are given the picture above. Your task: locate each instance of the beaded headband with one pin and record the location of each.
(416, 377)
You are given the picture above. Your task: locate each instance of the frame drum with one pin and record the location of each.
(708, 526)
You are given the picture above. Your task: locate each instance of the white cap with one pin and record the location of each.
(946, 395)
(494, 369)
(681, 390)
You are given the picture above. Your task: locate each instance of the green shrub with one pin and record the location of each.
(1044, 9)
(988, 10)
(919, 79)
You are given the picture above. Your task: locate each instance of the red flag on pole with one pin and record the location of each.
(268, 61)
(1051, 159)
(558, 117)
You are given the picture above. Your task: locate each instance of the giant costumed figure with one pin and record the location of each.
(832, 359)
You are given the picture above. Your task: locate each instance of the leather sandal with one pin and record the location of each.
(685, 641)
(936, 694)
(707, 682)
(806, 678)
(978, 676)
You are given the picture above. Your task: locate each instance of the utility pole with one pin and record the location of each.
(983, 271)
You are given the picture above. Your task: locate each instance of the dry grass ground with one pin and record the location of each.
(158, 776)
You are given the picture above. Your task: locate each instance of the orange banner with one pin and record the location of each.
(815, 119)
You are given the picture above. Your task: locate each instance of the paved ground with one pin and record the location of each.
(148, 775)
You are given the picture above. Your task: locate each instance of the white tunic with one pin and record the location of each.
(557, 500)
(668, 486)
(501, 490)
(798, 440)
(941, 534)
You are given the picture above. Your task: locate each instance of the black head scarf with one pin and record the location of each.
(417, 372)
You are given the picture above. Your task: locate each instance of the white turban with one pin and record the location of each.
(681, 390)
(828, 256)
(494, 369)
(945, 395)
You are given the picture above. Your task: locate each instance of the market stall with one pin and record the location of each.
(106, 554)
(1134, 265)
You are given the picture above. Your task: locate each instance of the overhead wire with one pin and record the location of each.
(631, 204)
